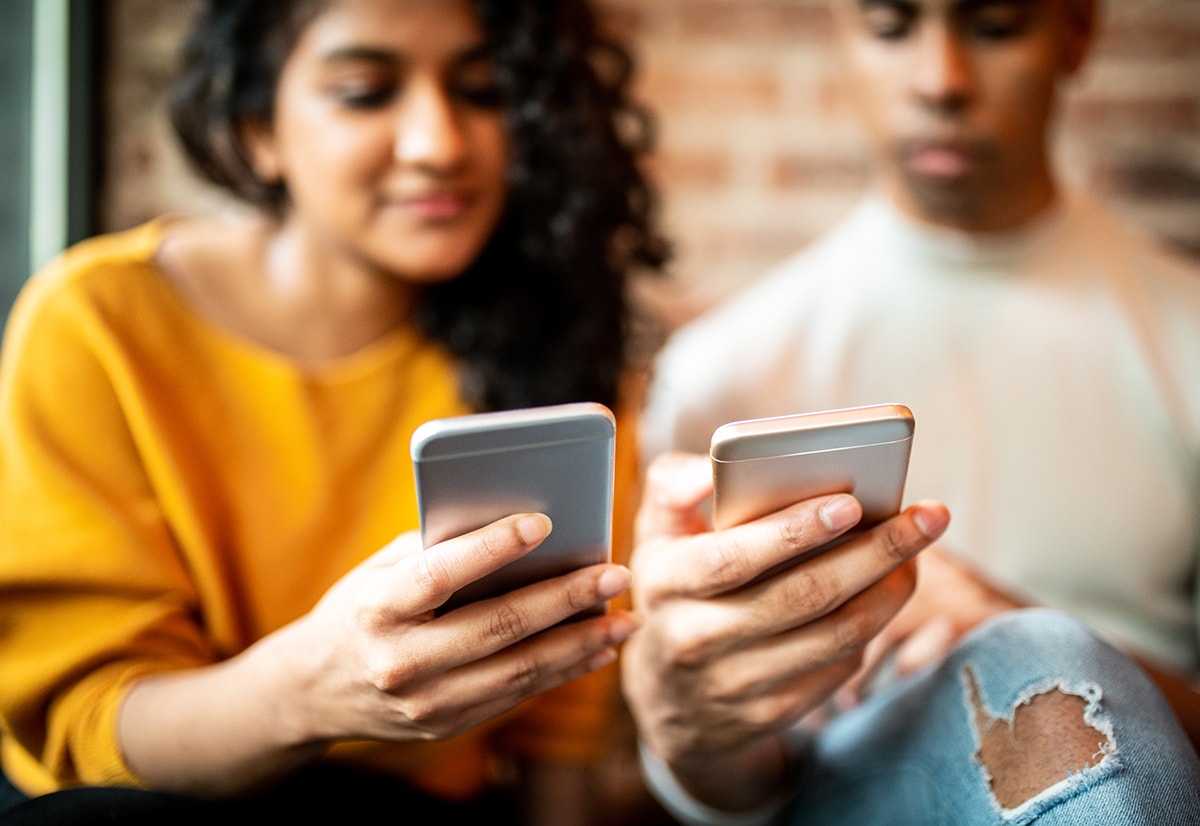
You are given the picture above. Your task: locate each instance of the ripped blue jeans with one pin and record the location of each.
(921, 750)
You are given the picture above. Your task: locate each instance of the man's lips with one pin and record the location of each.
(940, 160)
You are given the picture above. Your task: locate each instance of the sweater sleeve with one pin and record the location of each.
(92, 591)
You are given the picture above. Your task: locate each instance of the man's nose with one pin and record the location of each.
(942, 75)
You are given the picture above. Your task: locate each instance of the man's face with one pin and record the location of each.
(957, 97)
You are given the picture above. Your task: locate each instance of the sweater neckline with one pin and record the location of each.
(392, 346)
(965, 249)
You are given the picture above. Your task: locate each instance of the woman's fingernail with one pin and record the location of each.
(839, 512)
(614, 581)
(601, 659)
(534, 527)
(622, 627)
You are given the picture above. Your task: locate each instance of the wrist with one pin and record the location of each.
(288, 670)
(762, 780)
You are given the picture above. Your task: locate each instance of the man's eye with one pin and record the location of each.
(887, 23)
(1001, 23)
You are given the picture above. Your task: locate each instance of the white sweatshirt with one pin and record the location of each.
(1054, 374)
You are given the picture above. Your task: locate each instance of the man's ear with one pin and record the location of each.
(1080, 21)
(258, 140)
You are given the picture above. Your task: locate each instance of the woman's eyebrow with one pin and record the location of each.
(377, 54)
(357, 54)
(481, 52)
(900, 5)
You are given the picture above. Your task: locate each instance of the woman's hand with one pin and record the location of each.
(721, 667)
(411, 675)
(372, 661)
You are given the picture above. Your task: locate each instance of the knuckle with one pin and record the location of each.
(525, 677)
(727, 565)
(686, 646)
(770, 713)
(482, 545)
(387, 672)
(416, 711)
(814, 593)
(851, 634)
(896, 547)
(431, 576)
(731, 689)
(507, 624)
(370, 616)
(653, 582)
(797, 535)
(584, 593)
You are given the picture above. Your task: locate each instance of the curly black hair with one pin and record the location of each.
(544, 315)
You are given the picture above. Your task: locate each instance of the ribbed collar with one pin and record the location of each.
(950, 247)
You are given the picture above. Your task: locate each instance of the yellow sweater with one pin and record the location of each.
(169, 494)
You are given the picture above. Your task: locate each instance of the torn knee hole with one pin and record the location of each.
(1046, 740)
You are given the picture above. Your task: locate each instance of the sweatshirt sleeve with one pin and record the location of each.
(92, 590)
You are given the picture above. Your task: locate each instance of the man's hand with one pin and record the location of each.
(724, 663)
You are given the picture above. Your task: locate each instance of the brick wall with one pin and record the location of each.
(758, 151)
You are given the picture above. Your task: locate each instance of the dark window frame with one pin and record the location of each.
(79, 65)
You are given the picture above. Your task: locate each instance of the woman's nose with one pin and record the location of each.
(429, 131)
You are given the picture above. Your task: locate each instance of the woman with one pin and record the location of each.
(210, 583)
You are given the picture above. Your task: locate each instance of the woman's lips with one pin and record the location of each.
(436, 206)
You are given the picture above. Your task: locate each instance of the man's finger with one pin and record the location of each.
(676, 486)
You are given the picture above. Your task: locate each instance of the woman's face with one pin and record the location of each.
(388, 136)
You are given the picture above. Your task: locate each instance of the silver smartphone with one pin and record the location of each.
(762, 465)
(558, 460)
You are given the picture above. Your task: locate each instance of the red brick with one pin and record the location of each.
(811, 171)
(691, 169)
(1159, 179)
(754, 20)
(700, 88)
(1151, 112)
(1150, 39)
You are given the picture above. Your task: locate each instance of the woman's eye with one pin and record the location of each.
(887, 22)
(480, 95)
(363, 95)
(474, 83)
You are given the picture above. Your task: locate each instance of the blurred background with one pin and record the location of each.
(757, 152)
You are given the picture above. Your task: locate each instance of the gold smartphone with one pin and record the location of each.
(763, 465)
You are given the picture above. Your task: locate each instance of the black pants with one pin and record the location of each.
(314, 795)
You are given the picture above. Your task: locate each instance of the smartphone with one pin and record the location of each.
(558, 460)
(762, 465)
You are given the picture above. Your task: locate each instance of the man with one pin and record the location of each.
(1049, 355)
